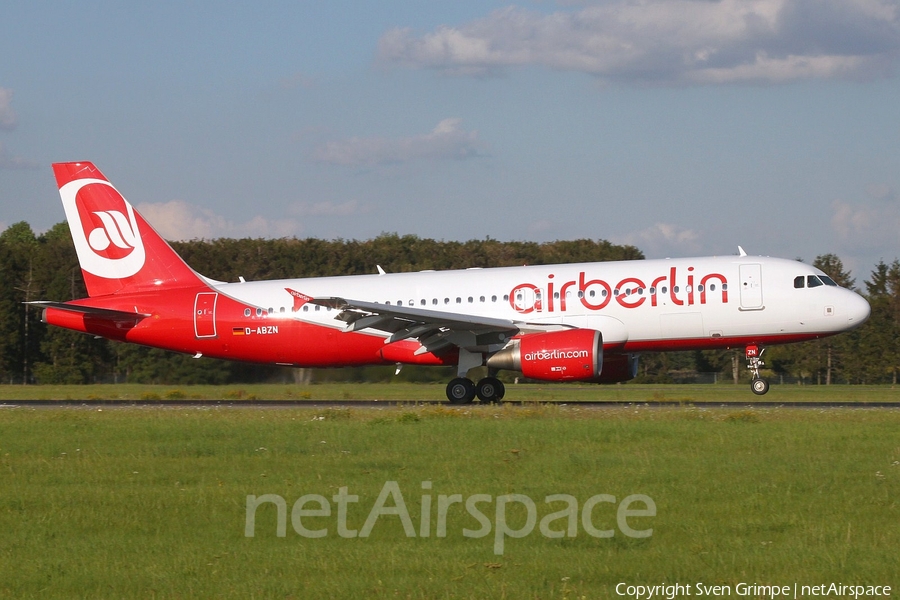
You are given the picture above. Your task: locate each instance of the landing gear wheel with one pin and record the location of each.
(460, 391)
(490, 389)
(759, 386)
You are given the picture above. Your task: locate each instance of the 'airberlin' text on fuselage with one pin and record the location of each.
(630, 292)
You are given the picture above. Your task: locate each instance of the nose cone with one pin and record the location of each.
(857, 309)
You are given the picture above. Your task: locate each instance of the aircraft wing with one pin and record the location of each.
(433, 329)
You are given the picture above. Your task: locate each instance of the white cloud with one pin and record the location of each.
(177, 220)
(880, 191)
(9, 162)
(663, 239)
(868, 226)
(541, 226)
(330, 209)
(668, 41)
(7, 114)
(446, 141)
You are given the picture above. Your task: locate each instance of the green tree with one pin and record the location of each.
(19, 323)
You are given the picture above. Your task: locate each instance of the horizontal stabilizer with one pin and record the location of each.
(115, 315)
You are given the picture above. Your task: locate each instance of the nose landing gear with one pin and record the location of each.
(758, 385)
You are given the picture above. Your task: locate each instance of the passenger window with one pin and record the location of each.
(798, 282)
(246, 312)
(493, 298)
(813, 281)
(481, 299)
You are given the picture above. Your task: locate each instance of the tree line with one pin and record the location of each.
(45, 267)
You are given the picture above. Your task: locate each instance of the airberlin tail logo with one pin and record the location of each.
(116, 231)
(103, 228)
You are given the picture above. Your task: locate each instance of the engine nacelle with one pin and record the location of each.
(570, 355)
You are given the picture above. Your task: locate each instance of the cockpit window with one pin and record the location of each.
(813, 281)
(799, 282)
(828, 280)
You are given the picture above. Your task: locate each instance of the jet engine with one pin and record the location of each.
(570, 355)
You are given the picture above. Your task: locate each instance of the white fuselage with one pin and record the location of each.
(637, 305)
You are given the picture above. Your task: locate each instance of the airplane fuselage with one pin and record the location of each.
(639, 306)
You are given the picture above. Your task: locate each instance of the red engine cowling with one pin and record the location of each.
(574, 354)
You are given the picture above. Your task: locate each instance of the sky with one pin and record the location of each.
(683, 127)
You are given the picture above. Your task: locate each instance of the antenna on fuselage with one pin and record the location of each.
(741, 252)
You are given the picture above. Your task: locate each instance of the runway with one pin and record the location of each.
(318, 404)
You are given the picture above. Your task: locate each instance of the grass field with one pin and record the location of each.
(152, 502)
(568, 393)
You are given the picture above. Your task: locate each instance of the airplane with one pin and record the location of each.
(586, 322)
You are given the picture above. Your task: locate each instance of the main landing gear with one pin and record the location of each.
(758, 385)
(462, 391)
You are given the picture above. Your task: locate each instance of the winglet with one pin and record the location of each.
(299, 298)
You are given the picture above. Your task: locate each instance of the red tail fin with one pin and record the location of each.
(117, 249)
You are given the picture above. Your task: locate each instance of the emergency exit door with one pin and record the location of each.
(205, 314)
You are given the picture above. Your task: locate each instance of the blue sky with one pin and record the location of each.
(684, 127)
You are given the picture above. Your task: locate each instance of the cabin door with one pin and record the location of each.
(751, 287)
